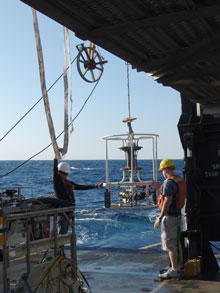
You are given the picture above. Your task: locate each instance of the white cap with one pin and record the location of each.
(64, 167)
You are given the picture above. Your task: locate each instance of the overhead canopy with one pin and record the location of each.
(177, 42)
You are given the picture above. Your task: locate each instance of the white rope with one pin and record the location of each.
(43, 85)
(66, 134)
(150, 246)
(70, 77)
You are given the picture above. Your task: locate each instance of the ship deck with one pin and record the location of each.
(127, 270)
(124, 270)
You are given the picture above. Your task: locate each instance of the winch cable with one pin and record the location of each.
(43, 85)
(56, 137)
(35, 103)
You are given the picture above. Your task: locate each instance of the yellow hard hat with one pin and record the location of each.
(165, 163)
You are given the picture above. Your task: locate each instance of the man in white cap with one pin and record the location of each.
(64, 189)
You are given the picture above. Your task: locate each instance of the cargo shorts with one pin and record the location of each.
(169, 233)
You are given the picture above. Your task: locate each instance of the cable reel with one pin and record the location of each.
(89, 63)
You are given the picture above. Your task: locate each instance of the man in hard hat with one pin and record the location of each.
(64, 189)
(169, 217)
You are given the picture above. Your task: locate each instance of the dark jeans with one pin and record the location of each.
(63, 226)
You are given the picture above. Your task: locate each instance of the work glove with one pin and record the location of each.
(99, 185)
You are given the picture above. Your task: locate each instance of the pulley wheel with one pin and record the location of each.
(89, 64)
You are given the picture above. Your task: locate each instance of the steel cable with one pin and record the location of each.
(34, 104)
(56, 137)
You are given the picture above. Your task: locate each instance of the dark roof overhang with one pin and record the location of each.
(177, 42)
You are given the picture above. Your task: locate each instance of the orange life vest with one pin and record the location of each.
(180, 195)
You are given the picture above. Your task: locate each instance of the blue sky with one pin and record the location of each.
(156, 107)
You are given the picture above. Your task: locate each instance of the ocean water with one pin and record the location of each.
(95, 225)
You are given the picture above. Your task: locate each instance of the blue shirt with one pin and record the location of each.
(170, 188)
